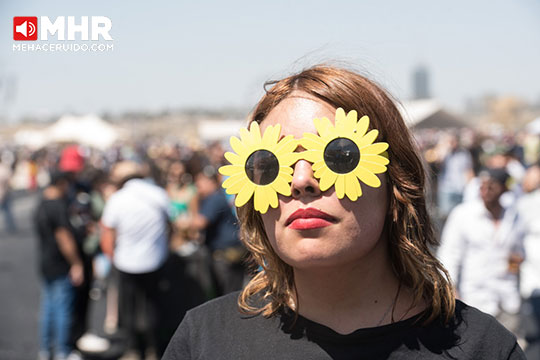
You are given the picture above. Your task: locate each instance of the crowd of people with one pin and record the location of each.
(129, 222)
(115, 220)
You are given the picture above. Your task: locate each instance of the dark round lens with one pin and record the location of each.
(262, 167)
(341, 155)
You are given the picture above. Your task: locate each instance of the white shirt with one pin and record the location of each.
(529, 211)
(453, 176)
(138, 213)
(475, 252)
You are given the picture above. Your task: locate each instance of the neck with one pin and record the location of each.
(494, 208)
(52, 192)
(352, 296)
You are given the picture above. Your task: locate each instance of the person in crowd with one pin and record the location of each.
(218, 223)
(455, 172)
(184, 204)
(134, 235)
(529, 210)
(5, 196)
(482, 248)
(61, 268)
(331, 204)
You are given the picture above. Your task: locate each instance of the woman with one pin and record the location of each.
(347, 271)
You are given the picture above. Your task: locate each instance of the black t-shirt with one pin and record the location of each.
(50, 215)
(222, 229)
(217, 330)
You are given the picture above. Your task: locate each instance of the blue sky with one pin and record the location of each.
(173, 54)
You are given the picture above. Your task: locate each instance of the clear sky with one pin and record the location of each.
(173, 54)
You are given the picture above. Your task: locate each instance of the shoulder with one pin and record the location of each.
(481, 335)
(218, 313)
(218, 330)
(224, 303)
(468, 208)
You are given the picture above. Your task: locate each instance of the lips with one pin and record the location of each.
(310, 218)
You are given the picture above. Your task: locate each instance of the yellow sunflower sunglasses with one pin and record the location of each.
(342, 155)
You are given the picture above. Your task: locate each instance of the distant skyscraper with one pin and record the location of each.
(421, 83)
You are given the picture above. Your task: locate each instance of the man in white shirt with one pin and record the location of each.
(482, 247)
(135, 237)
(456, 171)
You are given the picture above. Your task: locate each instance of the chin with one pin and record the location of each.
(311, 256)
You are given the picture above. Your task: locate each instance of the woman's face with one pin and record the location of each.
(332, 231)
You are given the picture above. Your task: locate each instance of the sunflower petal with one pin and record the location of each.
(324, 127)
(272, 196)
(318, 165)
(238, 146)
(311, 155)
(379, 159)
(246, 137)
(350, 187)
(261, 200)
(235, 187)
(288, 159)
(374, 149)
(255, 131)
(368, 139)
(348, 123)
(233, 158)
(352, 116)
(373, 167)
(286, 169)
(285, 176)
(319, 173)
(230, 181)
(340, 121)
(340, 186)
(358, 188)
(243, 196)
(286, 145)
(230, 170)
(362, 125)
(271, 135)
(327, 180)
(312, 141)
(367, 177)
(281, 186)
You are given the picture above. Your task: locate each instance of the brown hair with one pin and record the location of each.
(408, 223)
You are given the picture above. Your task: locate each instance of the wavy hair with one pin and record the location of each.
(408, 223)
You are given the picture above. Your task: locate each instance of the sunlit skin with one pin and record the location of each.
(342, 269)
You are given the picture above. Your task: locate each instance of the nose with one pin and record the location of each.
(304, 183)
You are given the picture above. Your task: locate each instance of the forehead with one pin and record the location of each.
(295, 114)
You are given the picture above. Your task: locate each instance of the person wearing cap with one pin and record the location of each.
(135, 236)
(482, 248)
(60, 266)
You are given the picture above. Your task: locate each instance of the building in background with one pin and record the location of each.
(421, 83)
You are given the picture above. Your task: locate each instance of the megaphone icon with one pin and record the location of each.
(22, 28)
(26, 28)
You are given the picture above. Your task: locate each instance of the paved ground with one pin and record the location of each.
(20, 290)
(19, 287)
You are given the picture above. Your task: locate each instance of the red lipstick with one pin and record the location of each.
(310, 218)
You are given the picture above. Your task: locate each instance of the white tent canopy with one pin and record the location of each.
(219, 130)
(87, 130)
(428, 113)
